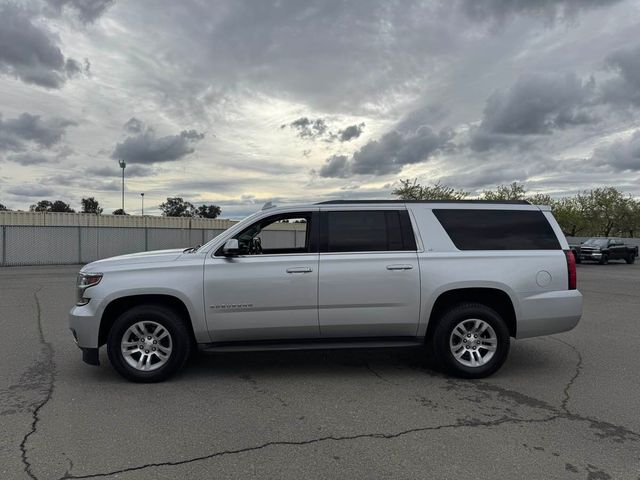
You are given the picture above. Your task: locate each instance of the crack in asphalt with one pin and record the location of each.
(567, 397)
(368, 366)
(386, 436)
(47, 350)
(616, 433)
(605, 429)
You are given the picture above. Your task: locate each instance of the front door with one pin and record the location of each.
(270, 290)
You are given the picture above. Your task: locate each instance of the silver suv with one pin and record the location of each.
(459, 278)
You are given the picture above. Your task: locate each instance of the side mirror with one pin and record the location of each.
(231, 247)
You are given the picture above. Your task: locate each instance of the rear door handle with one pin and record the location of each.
(399, 267)
(300, 270)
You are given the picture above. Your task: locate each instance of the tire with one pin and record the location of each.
(165, 331)
(443, 339)
(631, 259)
(604, 259)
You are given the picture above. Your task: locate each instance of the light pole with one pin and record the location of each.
(142, 195)
(123, 165)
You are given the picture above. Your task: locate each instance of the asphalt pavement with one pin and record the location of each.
(566, 406)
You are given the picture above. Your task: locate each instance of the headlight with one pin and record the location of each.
(84, 281)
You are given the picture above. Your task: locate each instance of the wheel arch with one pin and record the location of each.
(119, 305)
(496, 298)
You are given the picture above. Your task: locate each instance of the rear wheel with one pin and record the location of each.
(471, 341)
(148, 343)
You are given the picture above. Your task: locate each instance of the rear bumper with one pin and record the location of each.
(548, 313)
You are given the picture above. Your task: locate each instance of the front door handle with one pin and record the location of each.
(399, 267)
(300, 270)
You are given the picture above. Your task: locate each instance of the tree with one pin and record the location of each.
(608, 209)
(119, 211)
(177, 207)
(570, 212)
(409, 190)
(48, 206)
(3, 208)
(90, 205)
(208, 211)
(60, 206)
(41, 206)
(513, 191)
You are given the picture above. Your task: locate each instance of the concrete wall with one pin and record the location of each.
(28, 238)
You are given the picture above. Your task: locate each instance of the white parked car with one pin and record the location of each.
(460, 278)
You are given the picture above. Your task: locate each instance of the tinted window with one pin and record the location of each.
(367, 231)
(498, 229)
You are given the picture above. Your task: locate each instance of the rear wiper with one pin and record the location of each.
(191, 249)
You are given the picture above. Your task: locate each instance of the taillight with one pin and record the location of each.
(571, 269)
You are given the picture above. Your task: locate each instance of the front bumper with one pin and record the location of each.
(84, 323)
(593, 256)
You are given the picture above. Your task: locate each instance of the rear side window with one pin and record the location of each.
(366, 231)
(498, 229)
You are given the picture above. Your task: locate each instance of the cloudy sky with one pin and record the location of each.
(239, 102)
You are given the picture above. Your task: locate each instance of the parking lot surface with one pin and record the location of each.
(565, 406)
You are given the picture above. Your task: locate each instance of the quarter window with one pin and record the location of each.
(498, 229)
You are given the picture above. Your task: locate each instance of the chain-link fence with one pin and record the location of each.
(59, 245)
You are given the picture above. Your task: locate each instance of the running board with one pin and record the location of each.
(311, 344)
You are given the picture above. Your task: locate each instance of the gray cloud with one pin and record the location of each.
(115, 171)
(314, 129)
(336, 166)
(534, 105)
(28, 158)
(351, 132)
(308, 128)
(621, 155)
(31, 190)
(16, 133)
(498, 11)
(133, 125)
(624, 89)
(389, 154)
(146, 147)
(88, 10)
(31, 53)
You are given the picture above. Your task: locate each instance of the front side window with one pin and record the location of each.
(286, 233)
(366, 231)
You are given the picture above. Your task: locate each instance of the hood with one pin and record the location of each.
(136, 258)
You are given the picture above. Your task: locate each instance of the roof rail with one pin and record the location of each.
(349, 202)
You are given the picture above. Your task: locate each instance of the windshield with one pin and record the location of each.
(596, 241)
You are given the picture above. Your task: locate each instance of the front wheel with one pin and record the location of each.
(471, 341)
(148, 343)
(604, 259)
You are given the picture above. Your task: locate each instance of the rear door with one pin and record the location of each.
(369, 283)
